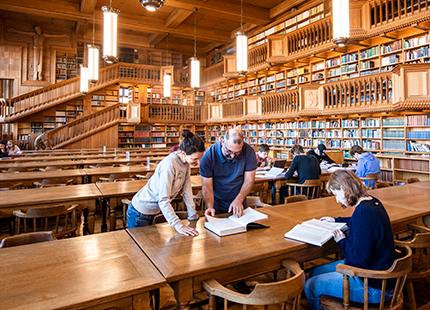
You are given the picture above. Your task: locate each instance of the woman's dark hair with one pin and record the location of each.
(191, 143)
(353, 187)
(297, 149)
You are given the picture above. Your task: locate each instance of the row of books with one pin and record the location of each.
(417, 147)
(371, 145)
(393, 145)
(417, 120)
(417, 165)
(418, 134)
(394, 134)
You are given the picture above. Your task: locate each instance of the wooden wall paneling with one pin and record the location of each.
(108, 138)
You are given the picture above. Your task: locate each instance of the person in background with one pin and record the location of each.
(369, 245)
(263, 159)
(228, 172)
(3, 150)
(170, 177)
(367, 162)
(306, 166)
(12, 148)
(320, 154)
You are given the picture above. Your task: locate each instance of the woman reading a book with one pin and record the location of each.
(170, 177)
(369, 245)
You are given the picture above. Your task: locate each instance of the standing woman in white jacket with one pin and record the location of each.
(172, 175)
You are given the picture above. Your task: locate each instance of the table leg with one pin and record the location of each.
(112, 213)
(183, 293)
(104, 202)
(278, 194)
(91, 216)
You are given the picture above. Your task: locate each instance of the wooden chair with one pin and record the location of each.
(252, 201)
(412, 180)
(11, 186)
(259, 189)
(58, 219)
(382, 184)
(159, 218)
(146, 176)
(22, 239)
(200, 203)
(420, 245)
(311, 188)
(399, 270)
(125, 203)
(296, 198)
(114, 177)
(370, 180)
(54, 182)
(264, 293)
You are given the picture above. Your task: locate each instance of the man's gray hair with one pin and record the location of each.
(235, 135)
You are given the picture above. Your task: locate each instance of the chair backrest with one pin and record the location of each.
(265, 293)
(60, 220)
(399, 271)
(252, 201)
(310, 188)
(146, 176)
(259, 189)
(199, 201)
(183, 215)
(382, 184)
(370, 180)
(296, 198)
(22, 239)
(413, 180)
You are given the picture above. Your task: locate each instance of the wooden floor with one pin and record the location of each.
(168, 302)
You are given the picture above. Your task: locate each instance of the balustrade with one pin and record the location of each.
(233, 109)
(285, 102)
(176, 113)
(257, 56)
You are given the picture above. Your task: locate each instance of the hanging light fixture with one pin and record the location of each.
(340, 22)
(110, 33)
(152, 5)
(167, 77)
(241, 47)
(83, 85)
(93, 59)
(195, 63)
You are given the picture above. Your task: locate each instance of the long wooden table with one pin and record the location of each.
(85, 195)
(185, 261)
(107, 271)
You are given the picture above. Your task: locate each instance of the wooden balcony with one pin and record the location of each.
(177, 114)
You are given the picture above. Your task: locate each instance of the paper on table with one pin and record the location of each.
(333, 169)
(273, 173)
(249, 216)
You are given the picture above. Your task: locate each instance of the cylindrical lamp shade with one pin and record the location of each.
(167, 82)
(241, 53)
(93, 63)
(340, 22)
(110, 34)
(84, 80)
(195, 73)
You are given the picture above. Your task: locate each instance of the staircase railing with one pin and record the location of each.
(176, 113)
(86, 126)
(46, 97)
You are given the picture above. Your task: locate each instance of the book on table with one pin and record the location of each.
(274, 172)
(334, 168)
(314, 231)
(234, 225)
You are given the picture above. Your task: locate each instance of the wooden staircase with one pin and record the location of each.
(12, 110)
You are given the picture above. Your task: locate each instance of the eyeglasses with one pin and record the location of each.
(229, 152)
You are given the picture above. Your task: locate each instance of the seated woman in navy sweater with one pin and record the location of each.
(369, 245)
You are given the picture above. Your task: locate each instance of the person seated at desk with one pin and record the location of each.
(3, 150)
(263, 159)
(170, 177)
(12, 148)
(307, 167)
(369, 245)
(367, 162)
(320, 154)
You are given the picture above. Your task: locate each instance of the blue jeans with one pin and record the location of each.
(324, 280)
(137, 219)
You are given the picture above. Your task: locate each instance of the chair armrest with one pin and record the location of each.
(139, 176)
(19, 213)
(213, 287)
(126, 201)
(73, 207)
(291, 265)
(103, 179)
(37, 183)
(419, 228)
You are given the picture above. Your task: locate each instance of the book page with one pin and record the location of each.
(309, 235)
(329, 226)
(250, 215)
(223, 226)
(272, 173)
(333, 169)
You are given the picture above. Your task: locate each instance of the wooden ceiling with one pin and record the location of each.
(216, 20)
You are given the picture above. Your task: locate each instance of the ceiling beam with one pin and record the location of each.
(226, 8)
(211, 47)
(176, 17)
(181, 49)
(246, 28)
(154, 39)
(88, 6)
(283, 7)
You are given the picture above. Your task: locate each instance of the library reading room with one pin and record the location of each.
(214, 154)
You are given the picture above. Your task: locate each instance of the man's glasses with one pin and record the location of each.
(229, 152)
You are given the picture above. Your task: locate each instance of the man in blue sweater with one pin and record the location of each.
(367, 162)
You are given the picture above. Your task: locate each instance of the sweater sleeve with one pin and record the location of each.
(167, 175)
(293, 168)
(362, 237)
(187, 195)
(361, 170)
(328, 159)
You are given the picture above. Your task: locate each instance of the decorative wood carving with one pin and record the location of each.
(215, 112)
(133, 112)
(230, 70)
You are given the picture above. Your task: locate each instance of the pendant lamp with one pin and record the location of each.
(83, 82)
(195, 63)
(167, 77)
(93, 59)
(110, 27)
(241, 47)
(340, 22)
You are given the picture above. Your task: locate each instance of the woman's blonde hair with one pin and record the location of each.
(353, 187)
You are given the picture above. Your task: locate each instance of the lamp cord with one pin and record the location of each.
(241, 15)
(195, 32)
(94, 25)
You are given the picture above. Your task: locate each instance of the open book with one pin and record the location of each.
(272, 173)
(334, 168)
(314, 231)
(235, 225)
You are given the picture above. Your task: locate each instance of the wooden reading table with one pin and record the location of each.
(85, 195)
(7, 177)
(105, 271)
(186, 261)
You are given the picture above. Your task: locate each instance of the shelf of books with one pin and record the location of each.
(126, 136)
(172, 135)
(158, 134)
